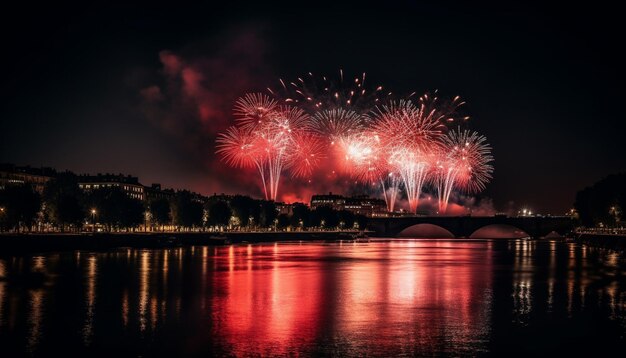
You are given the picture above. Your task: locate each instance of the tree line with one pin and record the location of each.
(64, 207)
(247, 211)
(602, 203)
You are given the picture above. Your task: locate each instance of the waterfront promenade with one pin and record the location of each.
(609, 238)
(39, 242)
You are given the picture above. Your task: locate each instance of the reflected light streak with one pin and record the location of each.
(144, 275)
(450, 297)
(2, 291)
(90, 299)
(35, 319)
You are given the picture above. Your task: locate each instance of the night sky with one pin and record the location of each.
(142, 89)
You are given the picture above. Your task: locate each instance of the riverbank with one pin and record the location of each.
(21, 243)
(606, 241)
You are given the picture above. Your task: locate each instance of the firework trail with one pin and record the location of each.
(241, 149)
(269, 137)
(338, 111)
(306, 155)
(395, 143)
(410, 135)
(277, 137)
(463, 163)
(254, 110)
(315, 93)
(337, 124)
(367, 162)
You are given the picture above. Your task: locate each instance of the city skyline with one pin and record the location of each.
(400, 178)
(90, 114)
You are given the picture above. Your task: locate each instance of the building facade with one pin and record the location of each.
(360, 205)
(155, 192)
(129, 184)
(11, 174)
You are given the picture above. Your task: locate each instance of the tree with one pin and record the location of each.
(283, 221)
(325, 216)
(69, 211)
(583, 207)
(603, 202)
(242, 208)
(64, 201)
(116, 209)
(255, 212)
(160, 211)
(300, 216)
(219, 213)
(186, 210)
(268, 213)
(21, 205)
(362, 221)
(346, 219)
(132, 213)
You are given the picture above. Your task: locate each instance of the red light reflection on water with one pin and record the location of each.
(391, 298)
(281, 299)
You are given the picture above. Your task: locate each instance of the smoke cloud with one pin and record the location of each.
(458, 205)
(191, 97)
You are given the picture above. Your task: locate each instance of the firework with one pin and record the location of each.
(365, 161)
(397, 144)
(447, 110)
(268, 137)
(306, 154)
(463, 163)
(315, 93)
(337, 124)
(410, 136)
(241, 149)
(254, 110)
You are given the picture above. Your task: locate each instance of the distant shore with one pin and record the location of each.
(606, 241)
(44, 242)
(13, 243)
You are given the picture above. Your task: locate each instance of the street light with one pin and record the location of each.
(614, 211)
(1, 216)
(93, 219)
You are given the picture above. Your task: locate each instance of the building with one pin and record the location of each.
(129, 184)
(283, 208)
(360, 204)
(334, 201)
(216, 197)
(202, 199)
(364, 205)
(155, 192)
(11, 174)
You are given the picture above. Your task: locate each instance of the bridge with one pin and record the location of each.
(499, 226)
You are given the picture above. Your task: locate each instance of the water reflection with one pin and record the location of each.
(2, 292)
(379, 298)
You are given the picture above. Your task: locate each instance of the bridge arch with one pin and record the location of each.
(499, 231)
(553, 235)
(428, 231)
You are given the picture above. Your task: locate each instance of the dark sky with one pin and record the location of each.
(544, 84)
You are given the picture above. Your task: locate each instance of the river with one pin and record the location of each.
(382, 298)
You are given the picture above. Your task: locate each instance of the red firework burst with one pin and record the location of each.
(305, 154)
